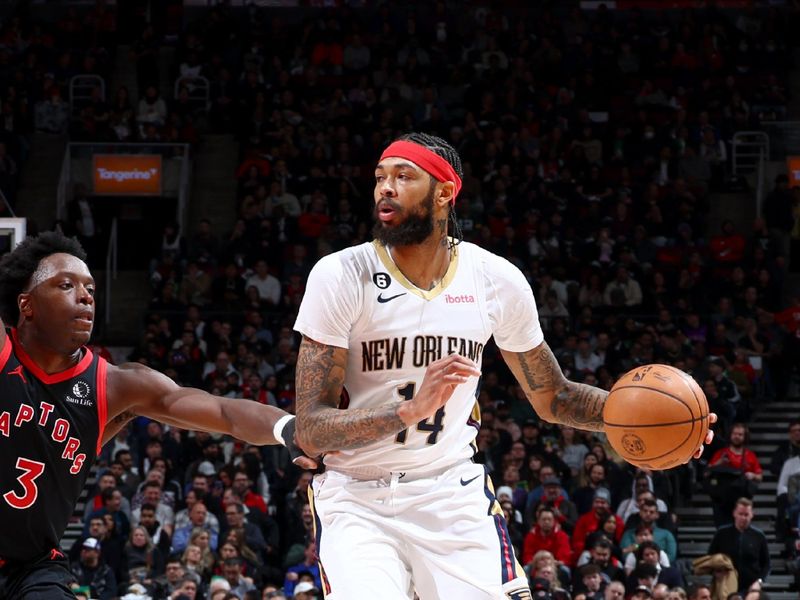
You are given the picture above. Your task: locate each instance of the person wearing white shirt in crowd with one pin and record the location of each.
(585, 359)
(268, 286)
(641, 488)
(623, 290)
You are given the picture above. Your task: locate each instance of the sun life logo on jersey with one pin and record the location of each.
(80, 394)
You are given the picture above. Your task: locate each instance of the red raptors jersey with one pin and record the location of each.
(51, 427)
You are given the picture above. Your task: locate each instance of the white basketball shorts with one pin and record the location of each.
(441, 536)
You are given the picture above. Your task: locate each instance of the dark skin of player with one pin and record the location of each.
(401, 187)
(56, 318)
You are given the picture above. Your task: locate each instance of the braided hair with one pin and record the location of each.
(17, 267)
(441, 147)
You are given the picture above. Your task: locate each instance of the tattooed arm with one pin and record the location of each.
(115, 425)
(322, 427)
(555, 398)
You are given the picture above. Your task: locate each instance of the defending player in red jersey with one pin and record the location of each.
(61, 403)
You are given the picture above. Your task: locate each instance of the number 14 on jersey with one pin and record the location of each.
(432, 425)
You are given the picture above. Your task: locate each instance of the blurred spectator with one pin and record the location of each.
(648, 512)
(268, 286)
(151, 110)
(592, 521)
(649, 553)
(733, 472)
(622, 291)
(752, 559)
(547, 535)
(91, 571)
(152, 495)
(644, 533)
(642, 485)
(232, 571)
(197, 520)
(143, 559)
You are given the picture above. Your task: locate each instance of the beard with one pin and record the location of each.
(415, 227)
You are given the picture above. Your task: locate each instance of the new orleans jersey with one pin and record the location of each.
(358, 299)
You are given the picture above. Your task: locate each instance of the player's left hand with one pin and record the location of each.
(296, 452)
(712, 418)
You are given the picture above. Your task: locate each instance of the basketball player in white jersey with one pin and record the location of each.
(387, 377)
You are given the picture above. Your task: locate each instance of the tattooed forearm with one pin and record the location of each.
(555, 398)
(321, 426)
(579, 405)
(539, 368)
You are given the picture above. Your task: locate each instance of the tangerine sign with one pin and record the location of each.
(793, 166)
(127, 174)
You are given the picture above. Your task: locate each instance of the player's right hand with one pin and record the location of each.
(441, 379)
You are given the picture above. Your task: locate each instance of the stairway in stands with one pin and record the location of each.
(768, 428)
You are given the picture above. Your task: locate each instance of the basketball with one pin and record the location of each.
(656, 417)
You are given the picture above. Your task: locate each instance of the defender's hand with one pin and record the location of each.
(295, 452)
(441, 379)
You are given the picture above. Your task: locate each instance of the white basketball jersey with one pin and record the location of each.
(358, 299)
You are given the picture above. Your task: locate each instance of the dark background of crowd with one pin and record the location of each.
(593, 144)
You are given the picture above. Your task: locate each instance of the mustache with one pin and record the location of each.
(387, 202)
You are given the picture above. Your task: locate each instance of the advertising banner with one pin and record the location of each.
(127, 174)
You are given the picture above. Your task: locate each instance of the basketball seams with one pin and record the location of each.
(654, 389)
(690, 383)
(671, 450)
(686, 422)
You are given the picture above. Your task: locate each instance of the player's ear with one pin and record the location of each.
(25, 305)
(446, 193)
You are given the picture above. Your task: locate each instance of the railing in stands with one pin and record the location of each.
(7, 204)
(198, 89)
(63, 195)
(750, 152)
(81, 90)
(111, 267)
(784, 138)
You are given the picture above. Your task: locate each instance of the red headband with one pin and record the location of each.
(430, 161)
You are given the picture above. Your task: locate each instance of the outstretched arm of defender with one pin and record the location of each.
(136, 390)
(555, 398)
(322, 427)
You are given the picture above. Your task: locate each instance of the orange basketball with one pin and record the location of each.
(656, 417)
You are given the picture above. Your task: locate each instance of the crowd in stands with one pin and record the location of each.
(592, 144)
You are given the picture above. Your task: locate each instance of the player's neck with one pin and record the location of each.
(423, 264)
(45, 356)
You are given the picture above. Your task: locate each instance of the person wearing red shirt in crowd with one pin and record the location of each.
(552, 496)
(789, 318)
(592, 520)
(242, 485)
(254, 389)
(737, 456)
(728, 247)
(313, 222)
(547, 535)
(732, 463)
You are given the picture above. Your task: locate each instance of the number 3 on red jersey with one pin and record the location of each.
(31, 469)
